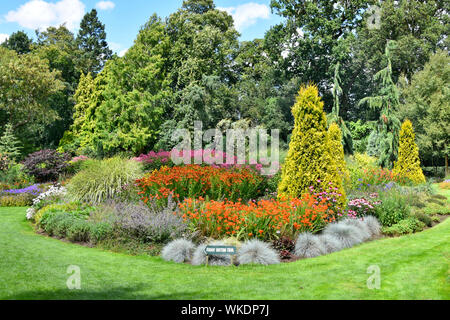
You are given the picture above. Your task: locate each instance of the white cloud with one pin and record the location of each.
(105, 5)
(122, 52)
(247, 14)
(3, 37)
(40, 14)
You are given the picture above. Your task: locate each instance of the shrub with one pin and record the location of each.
(148, 224)
(373, 225)
(103, 179)
(100, 231)
(199, 257)
(256, 251)
(15, 177)
(347, 235)
(309, 162)
(179, 251)
(4, 162)
(193, 181)
(308, 246)
(408, 163)
(360, 225)
(335, 135)
(426, 219)
(46, 165)
(19, 200)
(265, 219)
(52, 195)
(393, 208)
(406, 226)
(330, 243)
(285, 246)
(79, 230)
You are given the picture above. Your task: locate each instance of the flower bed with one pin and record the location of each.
(265, 219)
(193, 181)
(155, 160)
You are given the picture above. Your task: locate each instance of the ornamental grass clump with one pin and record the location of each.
(373, 225)
(347, 235)
(199, 257)
(101, 180)
(258, 252)
(330, 243)
(309, 246)
(360, 225)
(179, 251)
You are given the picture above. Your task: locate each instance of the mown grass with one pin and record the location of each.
(33, 266)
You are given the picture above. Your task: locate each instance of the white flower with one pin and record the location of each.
(30, 213)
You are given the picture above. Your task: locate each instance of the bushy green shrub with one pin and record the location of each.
(100, 231)
(426, 219)
(103, 179)
(406, 226)
(393, 208)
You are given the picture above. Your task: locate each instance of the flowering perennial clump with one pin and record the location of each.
(265, 219)
(193, 181)
(38, 202)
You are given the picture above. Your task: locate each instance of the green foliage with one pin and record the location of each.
(427, 105)
(408, 163)
(9, 144)
(19, 200)
(426, 219)
(360, 132)
(386, 102)
(373, 144)
(27, 85)
(91, 40)
(334, 117)
(19, 42)
(337, 150)
(309, 161)
(405, 226)
(103, 179)
(394, 207)
(16, 175)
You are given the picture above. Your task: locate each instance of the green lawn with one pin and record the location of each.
(34, 267)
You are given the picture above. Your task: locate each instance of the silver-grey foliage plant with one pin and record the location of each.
(360, 225)
(179, 250)
(308, 246)
(330, 243)
(373, 225)
(348, 235)
(259, 252)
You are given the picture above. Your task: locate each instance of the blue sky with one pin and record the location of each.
(123, 18)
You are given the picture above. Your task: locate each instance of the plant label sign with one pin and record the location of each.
(220, 250)
(214, 250)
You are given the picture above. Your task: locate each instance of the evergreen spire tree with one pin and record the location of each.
(91, 40)
(335, 135)
(309, 162)
(333, 117)
(75, 136)
(9, 144)
(386, 102)
(408, 163)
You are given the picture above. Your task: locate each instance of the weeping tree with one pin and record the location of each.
(333, 117)
(386, 102)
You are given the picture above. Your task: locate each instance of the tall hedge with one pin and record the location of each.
(309, 162)
(408, 163)
(337, 148)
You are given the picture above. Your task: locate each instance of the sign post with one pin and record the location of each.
(220, 250)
